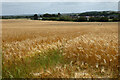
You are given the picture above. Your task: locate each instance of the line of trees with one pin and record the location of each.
(59, 17)
(16, 17)
(78, 17)
(98, 19)
(102, 13)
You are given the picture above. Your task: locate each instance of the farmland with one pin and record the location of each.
(57, 49)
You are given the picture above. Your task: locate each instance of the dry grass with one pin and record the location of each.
(89, 49)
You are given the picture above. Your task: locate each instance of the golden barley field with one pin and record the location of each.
(57, 49)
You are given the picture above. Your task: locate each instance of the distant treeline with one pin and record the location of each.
(102, 13)
(80, 19)
(16, 17)
(104, 16)
(83, 17)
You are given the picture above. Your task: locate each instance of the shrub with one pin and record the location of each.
(35, 17)
(65, 18)
(81, 19)
(115, 19)
(103, 19)
(98, 19)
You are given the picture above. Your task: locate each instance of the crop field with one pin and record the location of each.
(57, 49)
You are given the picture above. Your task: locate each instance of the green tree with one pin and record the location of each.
(103, 19)
(115, 19)
(59, 14)
(46, 15)
(81, 19)
(35, 17)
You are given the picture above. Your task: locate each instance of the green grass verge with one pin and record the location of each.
(22, 68)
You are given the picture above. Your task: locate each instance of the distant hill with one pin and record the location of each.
(100, 13)
(94, 13)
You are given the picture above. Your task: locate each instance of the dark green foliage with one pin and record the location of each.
(65, 18)
(81, 19)
(93, 19)
(35, 17)
(16, 17)
(98, 19)
(62, 18)
(46, 15)
(50, 18)
(103, 16)
(49, 15)
(103, 19)
(59, 14)
(95, 13)
(115, 19)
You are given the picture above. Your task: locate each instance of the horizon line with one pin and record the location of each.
(55, 13)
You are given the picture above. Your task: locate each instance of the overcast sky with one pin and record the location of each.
(17, 8)
(60, 0)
